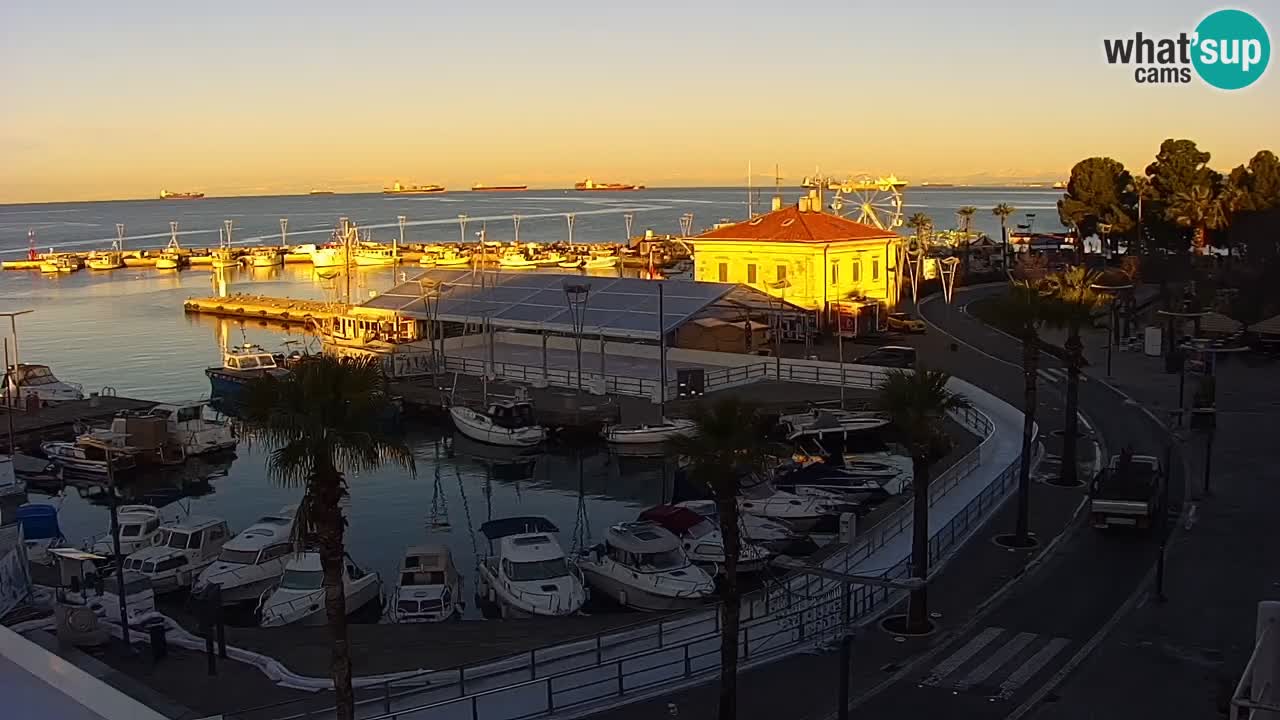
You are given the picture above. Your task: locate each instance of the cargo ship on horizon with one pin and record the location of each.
(590, 185)
(166, 195)
(398, 189)
(481, 187)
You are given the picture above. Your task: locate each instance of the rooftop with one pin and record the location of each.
(789, 224)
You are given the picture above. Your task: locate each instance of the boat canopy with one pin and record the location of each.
(39, 521)
(642, 537)
(503, 527)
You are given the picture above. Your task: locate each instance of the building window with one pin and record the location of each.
(782, 273)
(724, 272)
(751, 273)
(835, 272)
(875, 269)
(857, 271)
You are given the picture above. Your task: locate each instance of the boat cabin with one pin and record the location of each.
(183, 550)
(248, 357)
(139, 528)
(427, 565)
(512, 413)
(40, 381)
(645, 547)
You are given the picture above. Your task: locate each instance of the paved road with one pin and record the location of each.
(1036, 629)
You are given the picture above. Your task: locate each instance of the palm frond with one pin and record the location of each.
(916, 402)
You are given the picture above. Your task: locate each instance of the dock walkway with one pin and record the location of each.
(286, 310)
(56, 421)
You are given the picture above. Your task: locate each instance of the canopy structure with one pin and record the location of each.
(625, 308)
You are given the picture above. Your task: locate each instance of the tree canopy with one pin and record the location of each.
(1101, 191)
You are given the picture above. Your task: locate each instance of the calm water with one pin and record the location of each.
(126, 330)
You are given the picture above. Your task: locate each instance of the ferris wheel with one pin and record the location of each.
(876, 202)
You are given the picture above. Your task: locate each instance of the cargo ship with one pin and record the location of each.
(398, 189)
(166, 195)
(320, 192)
(591, 185)
(481, 187)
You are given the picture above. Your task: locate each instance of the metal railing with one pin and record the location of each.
(559, 377)
(792, 612)
(1257, 695)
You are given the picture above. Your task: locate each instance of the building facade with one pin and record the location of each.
(808, 257)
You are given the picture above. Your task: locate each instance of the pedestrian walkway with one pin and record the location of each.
(996, 662)
(1055, 376)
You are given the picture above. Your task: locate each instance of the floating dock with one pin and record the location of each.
(263, 307)
(57, 421)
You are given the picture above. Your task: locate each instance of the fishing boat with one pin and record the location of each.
(430, 588)
(184, 550)
(427, 261)
(251, 562)
(702, 540)
(108, 260)
(139, 528)
(374, 255)
(299, 596)
(68, 263)
(223, 258)
(453, 258)
(266, 257)
(551, 259)
(241, 364)
(516, 260)
(40, 531)
(192, 431)
(530, 575)
(33, 470)
(649, 434)
(172, 260)
(49, 264)
(601, 262)
(328, 257)
(506, 422)
(84, 458)
(821, 422)
(644, 567)
(571, 264)
(26, 379)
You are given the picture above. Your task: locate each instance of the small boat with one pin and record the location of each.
(109, 260)
(516, 261)
(372, 255)
(602, 262)
(820, 422)
(88, 459)
(427, 261)
(702, 540)
(26, 379)
(68, 263)
(572, 264)
(241, 364)
(40, 531)
(223, 258)
(452, 259)
(847, 478)
(251, 562)
(530, 575)
(49, 264)
(776, 536)
(430, 588)
(507, 422)
(649, 434)
(643, 566)
(299, 596)
(800, 512)
(549, 260)
(191, 430)
(184, 550)
(328, 257)
(266, 257)
(139, 528)
(171, 260)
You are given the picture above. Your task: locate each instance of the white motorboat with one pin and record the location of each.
(26, 379)
(183, 552)
(189, 428)
(252, 561)
(821, 422)
(848, 477)
(755, 529)
(649, 434)
(451, 258)
(643, 566)
(507, 422)
(299, 596)
(530, 575)
(800, 512)
(702, 540)
(139, 528)
(374, 255)
(40, 531)
(430, 588)
(328, 257)
(87, 458)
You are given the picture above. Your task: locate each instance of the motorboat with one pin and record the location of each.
(821, 422)
(189, 428)
(183, 552)
(601, 262)
(776, 536)
(10, 482)
(430, 588)
(551, 259)
(240, 365)
(299, 596)
(266, 257)
(329, 257)
(173, 257)
(702, 540)
(451, 258)
(878, 473)
(571, 263)
(140, 527)
(49, 264)
(251, 562)
(643, 566)
(800, 512)
(507, 422)
(427, 261)
(223, 258)
(89, 458)
(108, 260)
(68, 263)
(516, 261)
(649, 434)
(529, 575)
(34, 470)
(26, 379)
(40, 531)
(374, 255)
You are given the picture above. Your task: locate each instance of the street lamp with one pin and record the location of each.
(1114, 291)
(106, 448)
(781, 286)
(847, 582)
(576, 295)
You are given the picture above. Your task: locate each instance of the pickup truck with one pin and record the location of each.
(1128, 493)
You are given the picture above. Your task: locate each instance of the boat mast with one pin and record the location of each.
(662, 360)
(284, 228)
(570, 219)
(346, 259)
(751, 206)
(119, 237)
(173, 235)
(227, 223)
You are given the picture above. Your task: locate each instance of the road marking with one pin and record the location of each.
(1057, 375)
(1032, 666)
(999, 658)
(962, 656)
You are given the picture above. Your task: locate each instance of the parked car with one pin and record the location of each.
(905, 322)
(891, 356)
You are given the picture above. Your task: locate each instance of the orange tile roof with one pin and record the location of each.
(791, 225)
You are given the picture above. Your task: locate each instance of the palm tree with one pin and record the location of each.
(1021, 313)
(916, 403)
(1003, 211)
(1074, 300)
(921, 224)
(1144, 192)
(965, 216)
(729, 444)
(1199, 209)
(326, 419)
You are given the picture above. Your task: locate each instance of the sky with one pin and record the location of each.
(104, 100)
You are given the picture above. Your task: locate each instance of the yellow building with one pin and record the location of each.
(806, 256)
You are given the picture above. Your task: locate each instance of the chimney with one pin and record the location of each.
(815, 200)
(804, 204)
(777, 202)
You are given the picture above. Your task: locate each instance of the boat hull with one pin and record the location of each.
(374, 261)
(469, 425)
(637, 598)
(648, 435)
(452, 262)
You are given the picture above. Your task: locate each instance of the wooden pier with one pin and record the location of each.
(57, 421)
(263, 307)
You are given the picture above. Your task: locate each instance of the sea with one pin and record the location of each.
(125, 332)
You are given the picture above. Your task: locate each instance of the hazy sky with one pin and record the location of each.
(121, 99)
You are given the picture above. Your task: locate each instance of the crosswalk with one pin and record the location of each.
(996, 662)
(1057, 375)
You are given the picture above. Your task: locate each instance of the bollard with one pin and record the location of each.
(159, 643)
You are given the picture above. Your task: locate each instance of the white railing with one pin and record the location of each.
(1257, 696)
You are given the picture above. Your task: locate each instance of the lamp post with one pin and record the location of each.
(781, 286)
(847, 582)
(576, 295)
(1114, 291)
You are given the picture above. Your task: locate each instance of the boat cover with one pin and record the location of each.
(503, 527)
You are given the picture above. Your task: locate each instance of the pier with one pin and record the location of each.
(58, 421)
(284, 310)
